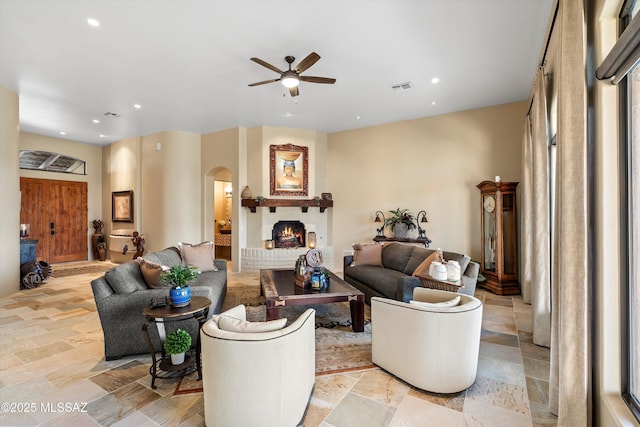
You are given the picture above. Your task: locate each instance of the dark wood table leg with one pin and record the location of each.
(201, 320)
(273, 312)
(357, 315)
(145, 333)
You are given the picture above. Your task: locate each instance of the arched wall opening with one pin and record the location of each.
(219, 215)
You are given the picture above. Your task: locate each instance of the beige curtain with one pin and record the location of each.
(570, 379)
(525, 208)
(539, 217)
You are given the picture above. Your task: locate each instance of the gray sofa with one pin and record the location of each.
(394, 279)
(121, 295)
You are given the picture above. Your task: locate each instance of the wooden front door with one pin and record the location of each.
(57, 214)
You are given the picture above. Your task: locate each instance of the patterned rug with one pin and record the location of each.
(338, 348)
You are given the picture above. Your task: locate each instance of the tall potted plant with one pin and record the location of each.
(176, 345)
(401, 221)
(179, 277)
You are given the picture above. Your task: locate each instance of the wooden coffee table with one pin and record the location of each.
(278, 287)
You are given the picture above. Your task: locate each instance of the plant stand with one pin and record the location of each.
(162, 368)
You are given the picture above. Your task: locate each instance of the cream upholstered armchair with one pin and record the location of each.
(254, 377)
(431, 342)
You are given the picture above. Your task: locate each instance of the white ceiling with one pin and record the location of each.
(187, 62)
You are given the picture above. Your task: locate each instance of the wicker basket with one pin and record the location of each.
(442, 285)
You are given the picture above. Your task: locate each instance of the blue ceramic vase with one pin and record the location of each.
(180, 297)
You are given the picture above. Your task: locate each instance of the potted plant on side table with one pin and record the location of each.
(179, 277)
(176, 345)
(401, 222)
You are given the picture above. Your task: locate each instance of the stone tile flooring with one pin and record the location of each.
(53, 373)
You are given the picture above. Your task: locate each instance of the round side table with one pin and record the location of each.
(163, 368)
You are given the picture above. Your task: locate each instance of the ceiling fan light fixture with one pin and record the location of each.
(290, 79)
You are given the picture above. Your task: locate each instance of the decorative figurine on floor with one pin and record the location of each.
(138, 242)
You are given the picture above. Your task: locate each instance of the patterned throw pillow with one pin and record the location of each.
(200, 256)
(367, 254)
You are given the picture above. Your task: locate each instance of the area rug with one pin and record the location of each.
(85, 267)
(338, 348)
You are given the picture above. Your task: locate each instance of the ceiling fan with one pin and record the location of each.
(292, 78)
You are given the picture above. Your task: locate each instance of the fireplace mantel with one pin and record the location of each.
(272, 204)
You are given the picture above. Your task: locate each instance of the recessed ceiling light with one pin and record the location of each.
(63, 133)
(433, 102)
(138, 106)
(102, 136)
(435, 80)
(93, 22)
(96, 121)
(357, 117)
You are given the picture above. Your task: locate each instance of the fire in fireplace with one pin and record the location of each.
(288, 234)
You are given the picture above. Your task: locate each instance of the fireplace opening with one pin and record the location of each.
(288, 234)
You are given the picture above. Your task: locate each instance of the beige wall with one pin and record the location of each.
(122, 173)
(170, 191)
(9, 193)
(432, 163)
(91, 154)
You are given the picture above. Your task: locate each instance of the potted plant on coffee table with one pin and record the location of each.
(179, 277)
(401, 221)
(176, 345)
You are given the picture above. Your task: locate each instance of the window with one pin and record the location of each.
(631, 261)
(630, 168)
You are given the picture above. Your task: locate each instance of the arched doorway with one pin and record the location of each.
(219, 194)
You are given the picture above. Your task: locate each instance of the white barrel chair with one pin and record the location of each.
(257, 378)
(432, 346)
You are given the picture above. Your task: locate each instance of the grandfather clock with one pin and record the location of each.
(499, 262)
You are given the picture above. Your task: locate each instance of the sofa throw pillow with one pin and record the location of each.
(367, 254)
(443, 304)
(423, 268)
(231, 324)
(152, 272)
(200, 255)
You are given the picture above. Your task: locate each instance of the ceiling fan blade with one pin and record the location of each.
(307, 62)
(267, 65)
(264, 82)
(294, 91)
(313, 79)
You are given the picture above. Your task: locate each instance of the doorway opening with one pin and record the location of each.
(223, 213)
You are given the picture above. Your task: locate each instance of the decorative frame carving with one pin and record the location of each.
(289, 170)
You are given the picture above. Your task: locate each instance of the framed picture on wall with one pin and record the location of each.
(122, 206)
(289, 170)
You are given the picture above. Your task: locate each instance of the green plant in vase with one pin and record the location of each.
(176, 345)
(401, 221)
(179, 277)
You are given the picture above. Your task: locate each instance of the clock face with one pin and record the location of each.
(314, 258)
(489, 203)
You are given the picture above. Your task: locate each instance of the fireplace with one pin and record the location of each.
(288, 234)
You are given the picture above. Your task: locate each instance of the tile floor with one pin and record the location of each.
(53, 373)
